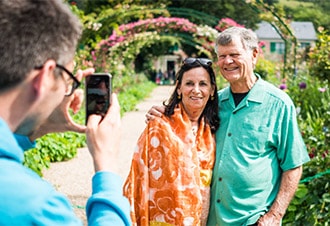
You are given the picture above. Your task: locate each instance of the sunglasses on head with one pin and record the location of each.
(202, 61)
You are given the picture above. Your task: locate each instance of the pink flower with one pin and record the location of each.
(93, 55)
(322, 89)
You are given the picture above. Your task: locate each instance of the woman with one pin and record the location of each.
(171, 170)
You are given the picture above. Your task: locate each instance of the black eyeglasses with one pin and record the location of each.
(203, 61)
(71, 86)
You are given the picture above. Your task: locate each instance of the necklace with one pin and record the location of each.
(194, 130)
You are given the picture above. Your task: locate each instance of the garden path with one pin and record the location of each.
(73, 177)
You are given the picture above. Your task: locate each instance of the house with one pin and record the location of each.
(274, 46)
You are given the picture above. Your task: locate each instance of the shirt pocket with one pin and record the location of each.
(254, 138)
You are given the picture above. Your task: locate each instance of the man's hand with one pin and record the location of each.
(60, 120)
(103, 137)
(155, 111)
(269, 219)
(289, 183)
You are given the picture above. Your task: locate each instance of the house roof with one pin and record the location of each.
(302, 31)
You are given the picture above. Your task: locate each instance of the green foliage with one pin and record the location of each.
(312, 10)
(220, 9)
(37, 160)
(132, 91)
(133, 94)
(55, 147)
(319, 65)
(265, 68)
(310, 206)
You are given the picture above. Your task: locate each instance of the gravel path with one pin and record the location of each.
(73, 177)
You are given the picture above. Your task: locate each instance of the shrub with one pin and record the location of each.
(319, 64)
(310, 205)
(265, 68)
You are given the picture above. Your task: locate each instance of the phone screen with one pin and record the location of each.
(98, 90)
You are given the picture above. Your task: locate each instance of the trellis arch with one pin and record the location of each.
(283, 29)
(127, 40)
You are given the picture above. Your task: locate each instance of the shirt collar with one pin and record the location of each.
(256, 94)
(9, 147)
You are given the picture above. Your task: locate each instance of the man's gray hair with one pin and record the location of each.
(248, 38)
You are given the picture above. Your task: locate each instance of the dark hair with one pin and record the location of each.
(32, 32)
(210, 112)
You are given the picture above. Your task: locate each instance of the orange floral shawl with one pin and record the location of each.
(171, 171)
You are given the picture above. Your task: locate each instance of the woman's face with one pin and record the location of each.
(195, 89)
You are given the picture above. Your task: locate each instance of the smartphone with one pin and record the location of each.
(98, 90)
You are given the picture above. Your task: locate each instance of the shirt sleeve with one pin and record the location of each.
(107, 205)
(292, 150)
(24, 142)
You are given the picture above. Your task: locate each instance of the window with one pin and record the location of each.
(277, 47)
(304, 45)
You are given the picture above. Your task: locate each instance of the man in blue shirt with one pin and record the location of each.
(37, 44)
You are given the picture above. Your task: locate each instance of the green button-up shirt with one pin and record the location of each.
(256, 142)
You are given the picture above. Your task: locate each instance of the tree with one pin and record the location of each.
(238, 10)
(315, 11)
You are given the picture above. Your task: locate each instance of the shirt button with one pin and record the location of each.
(220, 178)
(229, 134)
(218, 200)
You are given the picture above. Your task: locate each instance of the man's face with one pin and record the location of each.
(56, 89)
(235, 62)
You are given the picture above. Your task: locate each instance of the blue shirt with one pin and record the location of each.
(24, 142)
(256, 142)
(26, 199)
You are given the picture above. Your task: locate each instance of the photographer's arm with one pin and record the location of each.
(107, 203)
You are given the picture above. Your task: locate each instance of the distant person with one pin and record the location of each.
(159, 77)
(170, 176)
(38, 40)
(260, 151)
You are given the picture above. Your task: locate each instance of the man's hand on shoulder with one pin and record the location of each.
(155, 111)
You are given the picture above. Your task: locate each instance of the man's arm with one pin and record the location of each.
(155, 111)
(289, 183)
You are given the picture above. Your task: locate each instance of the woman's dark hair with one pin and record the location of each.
(210, 112)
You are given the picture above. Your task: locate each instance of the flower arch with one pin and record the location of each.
(125, 42)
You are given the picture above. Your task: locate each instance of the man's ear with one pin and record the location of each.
(255, 54)
(42, 81)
